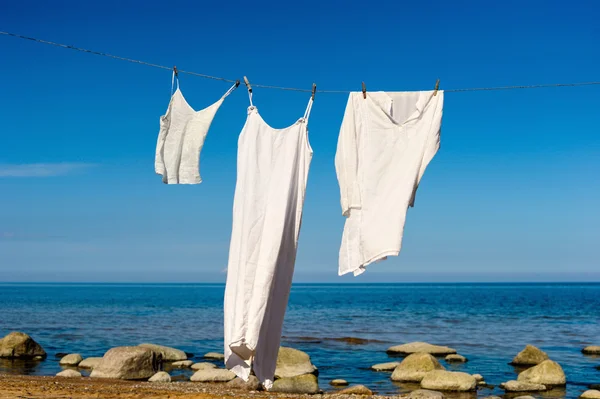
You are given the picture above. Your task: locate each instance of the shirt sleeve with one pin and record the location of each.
(346, 160)
(432, 145)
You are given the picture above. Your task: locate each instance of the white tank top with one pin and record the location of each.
(181, 137)
(272, 171)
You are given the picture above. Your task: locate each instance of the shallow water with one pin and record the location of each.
(487, 323)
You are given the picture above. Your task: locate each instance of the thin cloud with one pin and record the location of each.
(42, 169)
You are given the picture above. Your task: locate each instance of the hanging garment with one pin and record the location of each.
(272, 170)
(386, 141)
(181, 137)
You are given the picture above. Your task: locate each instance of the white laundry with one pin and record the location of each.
(181, 137)
(272, 171)
(386, 141)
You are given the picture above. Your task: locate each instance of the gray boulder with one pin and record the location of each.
(212, 375)
(441, 380)
(356, 390)
(415, 347)
(251, 385)
(161, 376)
(182, 364)
(127, 363)
(214, 356)
(168, 354)
(89, 363)
(425, 394)
(69, 374)
(590, 394)
(203, 366)
(520, 386)
(292, 362)
(414, 367)
(455, 359)
(18, 345)
(71, 360)
(530, 356)
(390, 366)
(338, 382)
(591, 350)
(300, 384)
(547, 372)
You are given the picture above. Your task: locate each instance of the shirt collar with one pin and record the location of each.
(385, 102)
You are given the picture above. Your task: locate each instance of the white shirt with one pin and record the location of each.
(386, 141)
(272, 171)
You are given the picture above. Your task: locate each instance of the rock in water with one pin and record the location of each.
(215, 356)
(203, 366)
(525, 397)
(456, 359)
(18, 345)
(590, 394)
(251, 385)
(338, 382)
(168, 354)
(520, 386)
(161, 376)
(212, 375)
(355, 390)
(71, 360)
(547, 372)
(292, 362)
(478, 377)
(89, 363)
(425, 394)
(415, 347)
(127, 363)
(530, 356)
(441, 380)
(182, 364)
(390, 366)
(591, 350)
(300, 384)
(69, 374)
(415, 366)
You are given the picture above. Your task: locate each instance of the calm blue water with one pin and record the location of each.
(486, 323)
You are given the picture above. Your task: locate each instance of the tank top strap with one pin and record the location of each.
(231, 89)
(308, 109)
(173, 79)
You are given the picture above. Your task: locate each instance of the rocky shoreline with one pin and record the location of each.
(147, 367)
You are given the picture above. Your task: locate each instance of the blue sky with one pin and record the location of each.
(511, 195)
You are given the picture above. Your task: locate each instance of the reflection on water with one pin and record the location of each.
(20, 366)
(345, 328)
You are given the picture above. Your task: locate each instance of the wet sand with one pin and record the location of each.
(34, 387)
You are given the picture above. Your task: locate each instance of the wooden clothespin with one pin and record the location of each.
(176, 71)
(364, 90)
(248, 84)
(314, 90)
(437, 86)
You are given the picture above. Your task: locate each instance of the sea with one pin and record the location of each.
(487, 323)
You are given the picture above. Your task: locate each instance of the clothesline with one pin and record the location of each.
(70, 47)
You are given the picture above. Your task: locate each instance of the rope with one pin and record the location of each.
(538, 86)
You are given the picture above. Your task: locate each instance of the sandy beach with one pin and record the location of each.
(33, 387)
